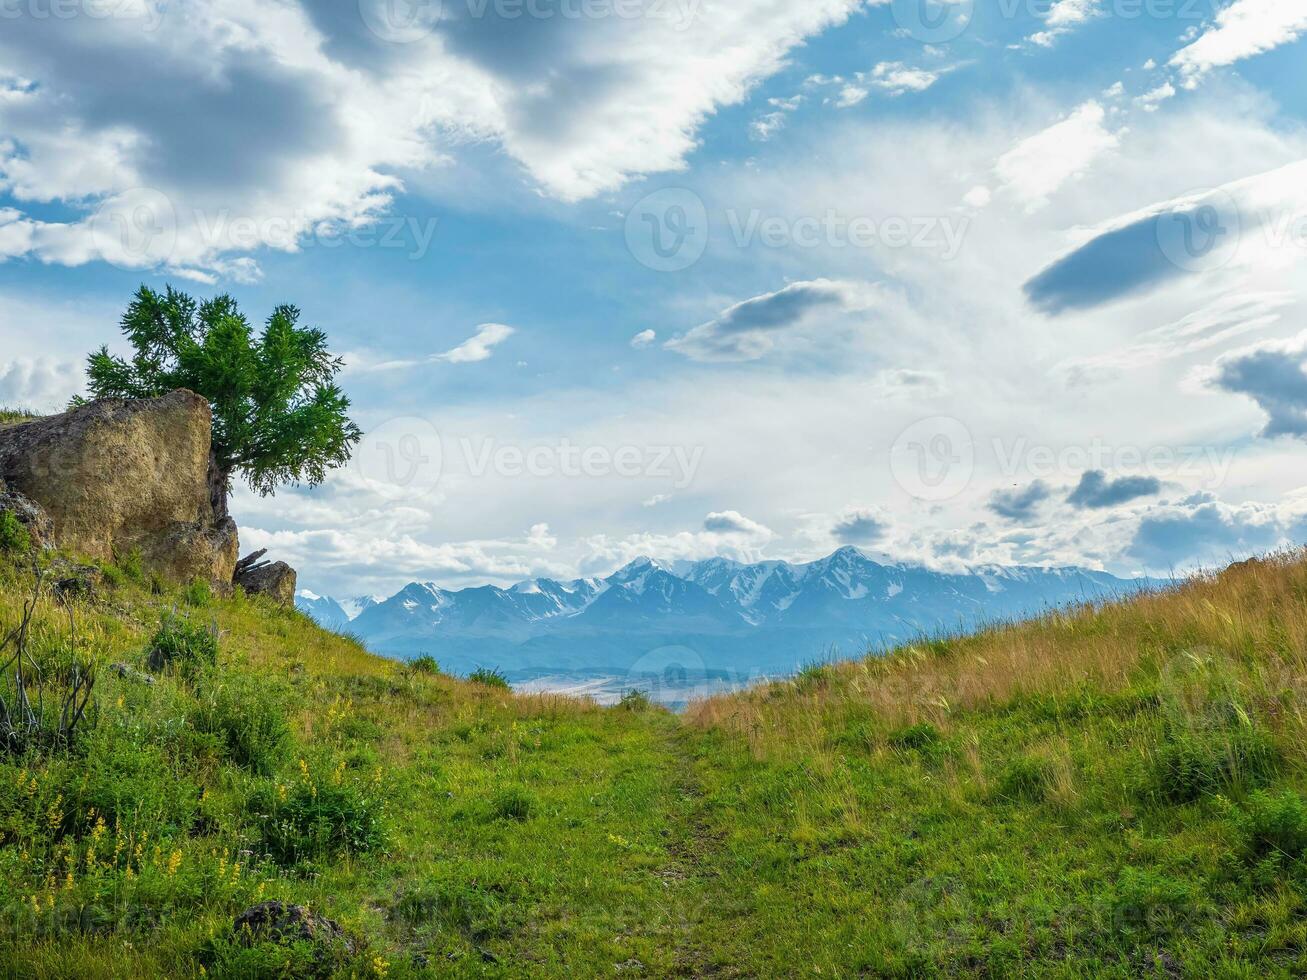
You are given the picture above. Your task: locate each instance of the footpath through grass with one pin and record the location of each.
(1109, 792)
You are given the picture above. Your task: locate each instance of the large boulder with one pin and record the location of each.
(119, 475)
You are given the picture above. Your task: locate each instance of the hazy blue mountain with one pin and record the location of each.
(713, 615)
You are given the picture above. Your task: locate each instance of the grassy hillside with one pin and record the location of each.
(1105, 793)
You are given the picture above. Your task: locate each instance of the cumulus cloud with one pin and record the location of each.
(1204, 531)
(728, 534)
(1096, 491)
(1274, 375)
(1019, 503)
(1241, 30)
(1062, 18)
(643, 339)
(860, 525)
(733, 522)
(238, 127)
(747, 330)
(39, 384)
(1038, 165)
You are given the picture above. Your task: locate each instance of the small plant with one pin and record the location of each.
(1026, 777)
(634, 700)
(921, 737)
(512, 804)
(14, 539)
(490, 677)
(424, 664)
(179, 642)
(1190, 765)
(317, 817)
(198, 594)
(1273, 825)
(130, 566)
(247, 717)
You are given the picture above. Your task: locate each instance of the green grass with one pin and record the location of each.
(1112, 792)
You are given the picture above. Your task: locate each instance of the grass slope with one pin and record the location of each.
(1109, 792)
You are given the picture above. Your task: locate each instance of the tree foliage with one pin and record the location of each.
(278, 415)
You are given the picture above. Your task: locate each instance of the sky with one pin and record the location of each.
(1011, 281)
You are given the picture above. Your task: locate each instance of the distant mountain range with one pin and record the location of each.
(715, 615)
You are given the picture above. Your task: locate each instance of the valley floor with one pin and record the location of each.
(1109, 792)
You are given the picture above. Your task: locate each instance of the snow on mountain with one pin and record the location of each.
(725, 611)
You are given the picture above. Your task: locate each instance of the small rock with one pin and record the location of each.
(282, 923)
(130, 673)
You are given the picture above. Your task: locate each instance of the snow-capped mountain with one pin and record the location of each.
(729, 615)
(334, 614)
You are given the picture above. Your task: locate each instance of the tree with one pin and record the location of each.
(278, 415)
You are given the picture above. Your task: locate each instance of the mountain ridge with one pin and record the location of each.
(769, 615)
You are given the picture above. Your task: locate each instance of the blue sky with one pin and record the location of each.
(683, 278)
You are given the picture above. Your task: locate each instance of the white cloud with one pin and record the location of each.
(479, 346)
(40, 384)
(1062, 18)
(728, 534)
(643, 339)
(1151, 99)
(267, 123)
(1243, 29)
(1038, 165)
(751, 328)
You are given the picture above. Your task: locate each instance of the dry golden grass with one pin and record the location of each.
(1250, 619)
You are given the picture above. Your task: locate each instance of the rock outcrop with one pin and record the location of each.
(279, 922)
(118, 475)
(273, 579)
(29, 514)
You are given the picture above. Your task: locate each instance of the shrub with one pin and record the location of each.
(512, 804)
(249, 720)
(179, 642)
(316, 817)
(1026, 777)
(1152, 903)
(424, 664)
(14, 538)
(490, 677)
(130, 565)
(922, 737)
(634, 700)
(1190, 765)
(1273, 824)
(198, 593)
